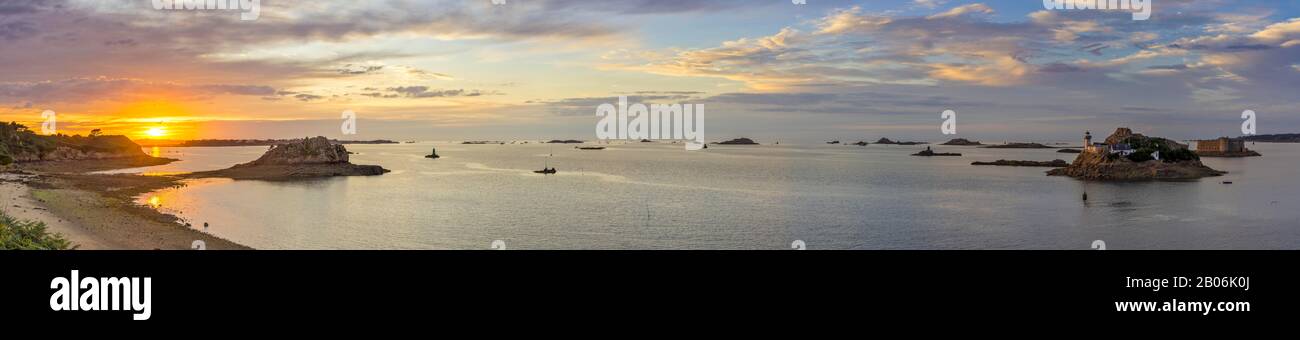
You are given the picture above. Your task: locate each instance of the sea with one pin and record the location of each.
(660, 196)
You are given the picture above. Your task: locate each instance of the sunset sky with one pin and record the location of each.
(449, 70)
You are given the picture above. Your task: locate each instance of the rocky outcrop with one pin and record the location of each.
(1068, 150)
(961, 141)
(305, 158)
(1224, 154)
(860, 143)
(1060, 163)
(888, 141)
(930, 153)
(1175, 163)
(738, 141)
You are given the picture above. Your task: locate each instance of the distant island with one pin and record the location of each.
(738, 141)
(860, 143)
(564, 141)
(481, 142)
(1274, 138)
(1127, 156)
(833, 142)
(888, 141)
(303, 158)
(930, 153)
(245, 142)
(1070, 150)
(961, 141)
(1018, 146)
(1059, 163)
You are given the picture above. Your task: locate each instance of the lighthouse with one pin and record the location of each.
(1087, 141)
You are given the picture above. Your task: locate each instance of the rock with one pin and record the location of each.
(887, 141)
(1018, 146)
(1176, 163)
(860, 143)
(1247, 153)
(1070, 151)
(833, 142)
(305, 158)
(930, 153)
(961, 141)
(1060, 163)
(738, 141)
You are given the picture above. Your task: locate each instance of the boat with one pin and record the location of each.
(546, 171)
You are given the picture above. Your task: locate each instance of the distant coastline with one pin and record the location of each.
(244, 142)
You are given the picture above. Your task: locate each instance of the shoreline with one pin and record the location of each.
(99, 212)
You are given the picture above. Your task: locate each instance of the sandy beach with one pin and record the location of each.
(97, 212)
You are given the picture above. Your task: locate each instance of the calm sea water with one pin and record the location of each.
(658, 196)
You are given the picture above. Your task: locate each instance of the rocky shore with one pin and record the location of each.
(304, 158)
(1247, 153)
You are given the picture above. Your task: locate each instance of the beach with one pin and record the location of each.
(96, 212)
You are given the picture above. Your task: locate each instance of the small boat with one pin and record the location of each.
(591, 148)
(546, 171)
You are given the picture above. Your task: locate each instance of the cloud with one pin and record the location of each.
(963, 10)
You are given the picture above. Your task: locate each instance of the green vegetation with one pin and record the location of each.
(17, 142)
(1170, 152)
(29, 235)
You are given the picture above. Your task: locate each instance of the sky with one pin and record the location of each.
(537, 69)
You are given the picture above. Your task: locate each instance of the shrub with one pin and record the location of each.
(29, 235)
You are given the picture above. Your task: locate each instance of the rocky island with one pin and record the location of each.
(961, 142)
(888, 141)
(930, 153)
(738, 141)
(304, 158)
(1059, 163)
(860, 143)
(1127, 156)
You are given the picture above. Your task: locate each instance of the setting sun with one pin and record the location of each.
(156, 132)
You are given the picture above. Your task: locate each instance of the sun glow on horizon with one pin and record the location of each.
(156, 132)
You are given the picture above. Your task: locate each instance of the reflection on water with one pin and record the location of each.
(656, 196)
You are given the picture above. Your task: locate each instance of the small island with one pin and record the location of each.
(564, 141)
(961, 142)
(303, 158)
(888, 141)
(1070, 150)
(1127, 156)
(1059, 163)
(860, 143)
(833, 142)
(1018, 146)
(930, 153)
(738, 141)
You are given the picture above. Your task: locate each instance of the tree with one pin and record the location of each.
(96, 133)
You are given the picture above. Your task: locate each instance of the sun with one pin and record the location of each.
(156, 132)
